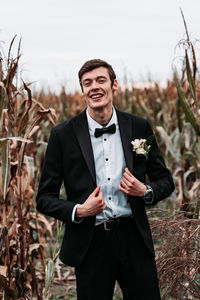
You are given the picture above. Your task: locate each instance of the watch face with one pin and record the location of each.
(148, 195)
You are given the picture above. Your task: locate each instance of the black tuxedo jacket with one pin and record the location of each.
(69, 158)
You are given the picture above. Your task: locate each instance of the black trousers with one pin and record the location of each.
(118, 254)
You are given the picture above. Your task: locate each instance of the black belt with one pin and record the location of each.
(114, 222)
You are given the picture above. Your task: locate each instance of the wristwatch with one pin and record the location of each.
(148, 194)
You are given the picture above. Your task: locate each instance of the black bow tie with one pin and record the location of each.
(99, 131)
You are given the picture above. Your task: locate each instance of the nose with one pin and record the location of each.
(94, 85)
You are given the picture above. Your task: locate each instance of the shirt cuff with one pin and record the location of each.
(74, 218)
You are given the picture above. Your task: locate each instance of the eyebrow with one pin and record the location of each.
(98, 77)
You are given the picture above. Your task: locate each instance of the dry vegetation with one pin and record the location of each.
(29, 242)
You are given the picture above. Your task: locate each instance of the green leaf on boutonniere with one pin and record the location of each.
(149, 141)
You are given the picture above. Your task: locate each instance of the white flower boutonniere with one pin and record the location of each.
(142, 146)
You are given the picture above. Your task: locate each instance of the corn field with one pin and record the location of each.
(29, 241)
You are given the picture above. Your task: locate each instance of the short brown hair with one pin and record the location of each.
(93, 64)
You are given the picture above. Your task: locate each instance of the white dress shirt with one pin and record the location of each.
(109, 166)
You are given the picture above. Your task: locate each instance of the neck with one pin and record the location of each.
(101, 115)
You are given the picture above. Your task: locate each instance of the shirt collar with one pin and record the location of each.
(92, 124)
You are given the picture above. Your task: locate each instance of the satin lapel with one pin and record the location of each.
(125, 127)
(80, 125)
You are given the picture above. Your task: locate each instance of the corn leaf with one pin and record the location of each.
(186, 108)
(5, 167)
(178, 112)
(189, 76)
(2, 98)
(15, 138)
(49, 275)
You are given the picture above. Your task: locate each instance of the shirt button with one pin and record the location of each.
(106, 159)
(114, 215)
(105, 140)
(108, 178)
(109, 198)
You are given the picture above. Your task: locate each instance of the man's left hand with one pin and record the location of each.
(130, 185)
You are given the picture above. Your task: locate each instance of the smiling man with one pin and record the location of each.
(107, 236)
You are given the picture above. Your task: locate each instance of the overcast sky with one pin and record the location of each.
(137, 37)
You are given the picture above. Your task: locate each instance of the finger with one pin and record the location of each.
(100, 196)
(131, 179)
(128, 172)
(104, 206)
(127, 180)
(123, 183)
(96, 191)
(122, 189)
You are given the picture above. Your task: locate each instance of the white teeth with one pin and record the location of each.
(96, 96)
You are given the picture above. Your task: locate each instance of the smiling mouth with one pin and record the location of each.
(96, 96)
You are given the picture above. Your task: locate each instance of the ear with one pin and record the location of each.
(115, 85)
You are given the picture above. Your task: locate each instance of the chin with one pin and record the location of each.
(97, 104)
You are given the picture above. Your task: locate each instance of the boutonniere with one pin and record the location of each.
(142, 146)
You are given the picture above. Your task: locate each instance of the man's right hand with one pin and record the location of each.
(93, 205)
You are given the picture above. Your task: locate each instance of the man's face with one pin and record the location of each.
(97, 88)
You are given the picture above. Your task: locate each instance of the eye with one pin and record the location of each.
(87, 83)
(102, 80)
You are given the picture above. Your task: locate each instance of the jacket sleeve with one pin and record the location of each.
(159, 176)
(47, 199)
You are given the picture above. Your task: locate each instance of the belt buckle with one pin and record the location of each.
(105, 227)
